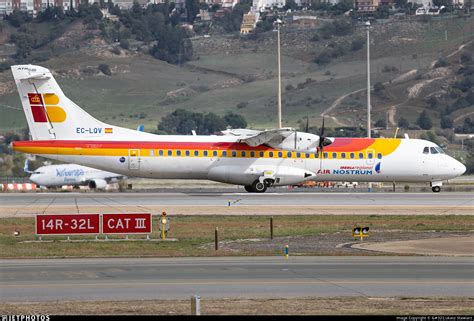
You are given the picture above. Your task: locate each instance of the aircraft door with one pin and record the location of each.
(370, 156)
(134, 159)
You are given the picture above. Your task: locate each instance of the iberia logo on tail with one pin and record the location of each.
(45, 107)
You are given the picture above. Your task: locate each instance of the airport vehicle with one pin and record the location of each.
(71, 174)
(255, 159)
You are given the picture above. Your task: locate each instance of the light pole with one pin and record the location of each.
(278, 24)
(368, 79)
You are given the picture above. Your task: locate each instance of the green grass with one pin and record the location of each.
(195, 234)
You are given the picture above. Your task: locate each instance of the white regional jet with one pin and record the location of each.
(255, 159)
(71, 174)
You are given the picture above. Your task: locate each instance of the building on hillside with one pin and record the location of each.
(388, 3)
(249, 22)
(265, 5)
(366, 5)
(33, 7)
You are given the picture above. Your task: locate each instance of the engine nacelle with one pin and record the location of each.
(97, 184)
(240, 175)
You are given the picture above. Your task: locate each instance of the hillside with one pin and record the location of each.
(231, 73)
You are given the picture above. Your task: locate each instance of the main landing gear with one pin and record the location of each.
(436, 186)
(259, 187)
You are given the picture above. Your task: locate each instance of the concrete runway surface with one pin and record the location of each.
(18, 204)
(249, 277)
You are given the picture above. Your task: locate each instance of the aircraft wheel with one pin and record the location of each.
(436, 189)
(259, 187)
(249, 188)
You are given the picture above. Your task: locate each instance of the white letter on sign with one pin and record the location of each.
(139, 223)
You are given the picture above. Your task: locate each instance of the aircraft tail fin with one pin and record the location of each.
(51, 115)
(26, 168)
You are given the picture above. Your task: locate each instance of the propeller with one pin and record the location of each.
(323, 141)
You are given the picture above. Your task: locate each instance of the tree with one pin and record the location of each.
(403, 122)
(290, 4)
(424, 121)
(192, 9)
(235, 120)
(446, 122)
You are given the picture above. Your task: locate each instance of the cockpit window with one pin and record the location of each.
(440, 150)
(434, 150)
(426, 150)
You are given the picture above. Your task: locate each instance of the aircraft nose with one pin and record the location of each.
(34, 178)
(459, 168)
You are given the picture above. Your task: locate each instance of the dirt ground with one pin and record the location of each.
(341, 244)
(255, 306)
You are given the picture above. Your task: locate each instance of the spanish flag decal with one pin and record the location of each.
(109, 130)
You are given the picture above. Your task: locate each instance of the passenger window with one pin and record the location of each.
(343, 155)
(252, 154)
(334, 155)
(298, 155)
(434, 150)
(288, 154)
(205, 153)
(270, 154)
(325, 155)
(379, 156)
(280, 154)
(187, 153)
(214, 153)
(170, 153)
(426, 150)
(196, 153)
(178, 153)
(224, 154)
(361, 155)
(370, 155)
(243, 154)
(261, 154)
(352, 155)
(234, 153)
(160, 152)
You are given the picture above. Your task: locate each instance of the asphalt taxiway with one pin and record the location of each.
(159, 278)
(24, 204)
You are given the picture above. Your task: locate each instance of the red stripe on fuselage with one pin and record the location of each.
(339, 145)
(137, 145)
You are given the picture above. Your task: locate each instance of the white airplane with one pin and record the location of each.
(71, 174)
(255, 159)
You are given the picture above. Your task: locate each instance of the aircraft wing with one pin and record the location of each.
(272, 137)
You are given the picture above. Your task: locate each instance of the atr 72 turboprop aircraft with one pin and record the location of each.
(255, 159)
(71, 174)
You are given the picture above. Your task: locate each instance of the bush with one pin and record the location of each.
(105, 69)
(403, 123)
(242, 104)
(357, 44)
(378, 87)
(124, 44)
